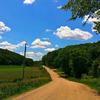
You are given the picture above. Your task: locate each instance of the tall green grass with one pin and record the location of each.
(11, 81)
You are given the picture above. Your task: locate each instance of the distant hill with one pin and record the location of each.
(76, 60)
(10, 58)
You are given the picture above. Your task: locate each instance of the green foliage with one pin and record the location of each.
(76, 60)
(38, 63)
(80, 8)
(11, 82)
(97, 27)
(49, 59)
(11, 58)
(96, 67)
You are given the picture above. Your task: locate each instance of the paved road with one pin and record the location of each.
(60, 89)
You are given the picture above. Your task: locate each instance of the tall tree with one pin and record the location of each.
(80, 8)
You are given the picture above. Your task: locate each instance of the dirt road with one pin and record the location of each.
(60, 89)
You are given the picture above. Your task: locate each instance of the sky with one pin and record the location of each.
(43, 25)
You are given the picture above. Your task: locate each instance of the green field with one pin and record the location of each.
(11, 81)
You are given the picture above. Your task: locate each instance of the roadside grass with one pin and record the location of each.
(94, 83)
(11, 82)
(60, 73)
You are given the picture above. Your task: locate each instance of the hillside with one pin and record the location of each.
(10, 58)
(77, 60)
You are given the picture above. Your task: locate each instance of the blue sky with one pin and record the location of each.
(42, 24)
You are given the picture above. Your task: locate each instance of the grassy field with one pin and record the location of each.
(11, 82)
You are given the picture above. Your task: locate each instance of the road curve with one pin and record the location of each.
(60, 89)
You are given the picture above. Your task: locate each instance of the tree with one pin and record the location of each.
(97, 27)
(80, 8)
(76, 60)
(96, 68)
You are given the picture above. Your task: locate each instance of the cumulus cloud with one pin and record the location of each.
(14, 47)
(50, 49)
(4, 28)
(29, 1)
(40, 44)
(4, 43)
(21, 44)
(7, 45)
(10, 46)
(33, 55)
(91, 20)
(66, 32)
(94, 18)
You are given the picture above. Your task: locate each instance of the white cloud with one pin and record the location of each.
(50, 49)
(7, 45)
(59, 7)
(91, 20)
(66, 32)
(21, 44)
(29, 1)
(4, 28)
(40, 44)
(94, 18)
(33, 55)
(14, 47)
(10, 46)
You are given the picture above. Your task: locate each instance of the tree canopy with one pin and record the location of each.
(80, 8)
(76, 60)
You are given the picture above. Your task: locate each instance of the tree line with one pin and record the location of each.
(10, 58)
(76, 60)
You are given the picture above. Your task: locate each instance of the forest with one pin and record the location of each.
(10, 58)
(76, 60)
